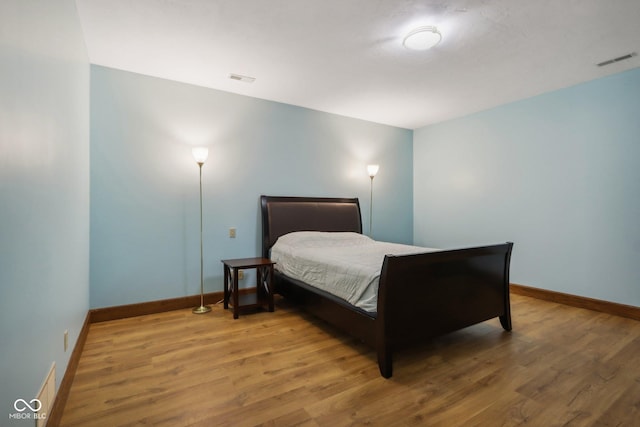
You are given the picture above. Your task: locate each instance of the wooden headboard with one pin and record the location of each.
(282, 215)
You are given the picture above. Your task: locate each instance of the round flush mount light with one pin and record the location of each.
(422, 38)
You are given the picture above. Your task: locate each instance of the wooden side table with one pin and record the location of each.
(263, 296)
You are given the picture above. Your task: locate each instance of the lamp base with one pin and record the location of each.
(201, 310)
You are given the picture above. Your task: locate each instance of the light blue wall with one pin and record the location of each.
(44, 193)
(144, 182)
(558, 174)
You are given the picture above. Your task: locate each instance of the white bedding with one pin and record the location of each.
(344, 264)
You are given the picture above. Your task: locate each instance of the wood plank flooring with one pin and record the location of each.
(559, 366)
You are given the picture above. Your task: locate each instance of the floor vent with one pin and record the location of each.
(45, 397)
(618, 59)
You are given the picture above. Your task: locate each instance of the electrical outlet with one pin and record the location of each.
(232, 232)
(240, 274)
(66, 339)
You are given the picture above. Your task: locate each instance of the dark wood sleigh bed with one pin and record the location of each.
(419, 296)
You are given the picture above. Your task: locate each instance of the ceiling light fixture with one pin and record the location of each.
(422, 38)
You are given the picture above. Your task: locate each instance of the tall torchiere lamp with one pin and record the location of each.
(200, 155)
(372, 170)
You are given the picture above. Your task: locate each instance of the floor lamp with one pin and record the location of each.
(372, 170)
(200, 155)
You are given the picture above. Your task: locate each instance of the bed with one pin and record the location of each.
(419, 296)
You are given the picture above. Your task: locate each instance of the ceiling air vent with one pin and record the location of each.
(618, 59)
(242, 78)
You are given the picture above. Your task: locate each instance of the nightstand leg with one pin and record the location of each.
(265, 292)
(270, 288)
(261, 287)
(234, 291)
(226, 287)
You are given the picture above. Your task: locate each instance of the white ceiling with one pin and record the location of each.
(346, 56)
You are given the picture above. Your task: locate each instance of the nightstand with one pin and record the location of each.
(263, 295)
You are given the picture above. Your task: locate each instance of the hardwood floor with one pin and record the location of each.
(559, 366)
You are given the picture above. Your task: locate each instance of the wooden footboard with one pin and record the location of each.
(425, 295)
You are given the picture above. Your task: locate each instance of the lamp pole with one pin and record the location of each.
(372, 170)
(200, 154)
(371, 208)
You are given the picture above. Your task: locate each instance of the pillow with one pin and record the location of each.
(322, 239)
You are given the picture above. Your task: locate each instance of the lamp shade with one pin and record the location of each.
(422, 38)
(372, 170)
(200, 154)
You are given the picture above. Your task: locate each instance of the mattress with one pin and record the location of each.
(346, 265)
